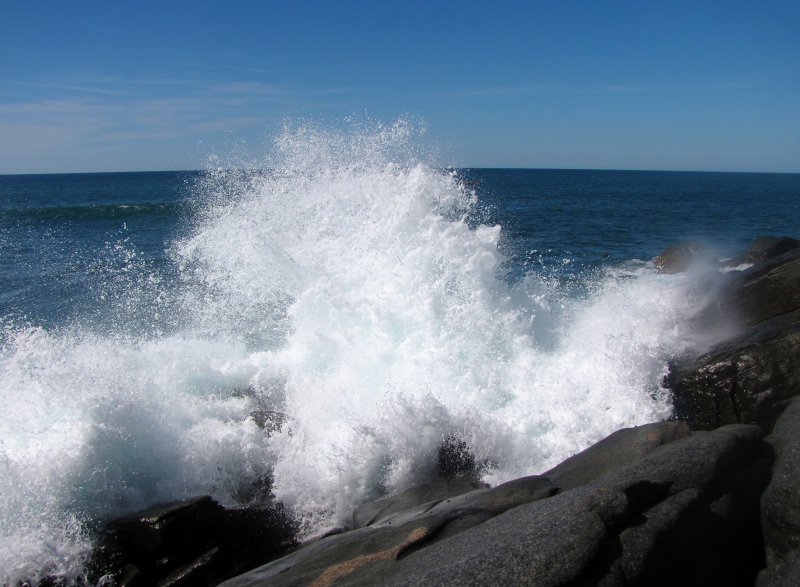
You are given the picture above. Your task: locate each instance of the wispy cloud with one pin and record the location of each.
(492, 91)
(347, 90)
(139, 105)
(250, 89)
(533, 89)
(620, 89)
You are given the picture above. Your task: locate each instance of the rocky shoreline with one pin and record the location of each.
(709, 498)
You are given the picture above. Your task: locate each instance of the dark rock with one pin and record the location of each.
(681, 256)
(706, 530)
(324, 562)
(458, 474)
(171, 532)
(780, 503)
(548, 542)
(764, 247)
(129, 576)
(500, 498)
(614, 451)
(766, 290)
(481, 502)
(658, 510)
(258, 490)
(268, 420)
(421, 497)
(767, 247)
(191, 542)
(253, 534)
(455, 458)
(749, 377)
(196, 572)
(748, 380)
(367, 553)
(783, 573)
(673, 512)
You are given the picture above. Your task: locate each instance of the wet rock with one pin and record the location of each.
(749, 380)
(784, 572)
(751, 376)
(764, 247)
(156, 537)
(614, 451)
(766, 290)
(337, 558)
(191, 542)
(651, 522)
(269, 421)
(455, 458)
(681, 256)
(258, 490)
(195, 572)
(457, 474)
(678, 509)
(781, 501)
(419, 498)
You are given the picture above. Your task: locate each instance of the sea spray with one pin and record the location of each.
(353, 286)
(399, 328)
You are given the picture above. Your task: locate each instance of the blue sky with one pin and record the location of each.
(115, 86)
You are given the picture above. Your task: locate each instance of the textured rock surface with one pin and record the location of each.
(681, 256)
(676, 509)
(780, 503)
(652, 505)
(751, 377)
(192, 542)
(614, 451)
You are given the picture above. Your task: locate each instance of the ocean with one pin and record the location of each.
(376, 300)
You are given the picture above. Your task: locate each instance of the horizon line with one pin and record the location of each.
(477, 168)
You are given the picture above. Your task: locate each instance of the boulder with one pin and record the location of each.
(613, 452)
(782, 573)
(751, 376)
(780, 503)
(766, 290)
(764, 247)
(675, 508)
(750, 379)
(191, 542)
(419, 498)
(455, 459)
(681, 256)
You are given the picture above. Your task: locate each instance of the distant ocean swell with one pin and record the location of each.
(357, 290)
(89, 212)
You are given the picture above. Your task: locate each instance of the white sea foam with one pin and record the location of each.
(352, 289)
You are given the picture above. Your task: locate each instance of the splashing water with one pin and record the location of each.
(354, 288)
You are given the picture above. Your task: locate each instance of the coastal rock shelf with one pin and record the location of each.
(703, 499)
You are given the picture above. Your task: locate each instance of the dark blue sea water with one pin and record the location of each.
(379, 302)
(65, 237)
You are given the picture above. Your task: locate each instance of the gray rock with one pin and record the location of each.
(417, 499)
(685, 463)
(547, 542)
(751, 376)
(673, 515)
(479, 505)
(764, 247)
(681, 256)
(783, 573)
(750, 379)
(614, 451)
(766, 290)
(780, 503)
(363, 552)
(614, 530)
